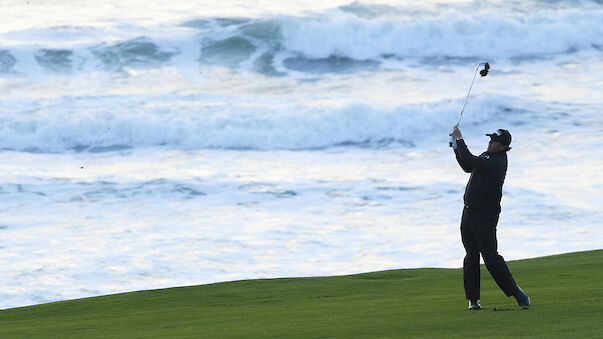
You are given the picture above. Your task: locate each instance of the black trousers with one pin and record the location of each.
(478, 231)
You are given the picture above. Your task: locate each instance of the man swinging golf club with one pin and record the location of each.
(480, 215)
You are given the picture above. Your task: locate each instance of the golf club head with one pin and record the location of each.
(484, 71)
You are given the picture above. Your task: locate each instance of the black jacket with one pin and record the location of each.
(488, 171)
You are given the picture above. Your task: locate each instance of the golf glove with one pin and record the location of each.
(452, 142)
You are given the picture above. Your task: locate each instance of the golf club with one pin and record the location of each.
(483, 73)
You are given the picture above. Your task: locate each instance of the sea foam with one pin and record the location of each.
(281, 42)
(86, 123)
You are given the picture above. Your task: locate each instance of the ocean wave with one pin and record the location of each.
(230, 52)
(55, 60)
(104, 127)
(7, 61)
(138, 52)
(453, 34)
(310, 43)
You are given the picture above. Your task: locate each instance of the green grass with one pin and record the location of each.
(566, 292)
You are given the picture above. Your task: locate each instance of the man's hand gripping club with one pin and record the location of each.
(454, 136)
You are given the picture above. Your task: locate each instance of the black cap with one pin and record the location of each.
(502, 136)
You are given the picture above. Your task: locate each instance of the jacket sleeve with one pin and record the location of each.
(464, 165)
(470, 161)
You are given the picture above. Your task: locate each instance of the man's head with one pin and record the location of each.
(499, 141)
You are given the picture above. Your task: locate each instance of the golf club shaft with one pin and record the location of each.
(467, 97)
(469, 92)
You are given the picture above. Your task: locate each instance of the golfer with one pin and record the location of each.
(480, 215)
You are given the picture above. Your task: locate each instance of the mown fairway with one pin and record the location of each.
(566, 292)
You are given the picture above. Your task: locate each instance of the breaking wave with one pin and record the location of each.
(343, 39)
(53, 128)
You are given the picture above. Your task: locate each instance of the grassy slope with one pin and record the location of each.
(566, 292)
